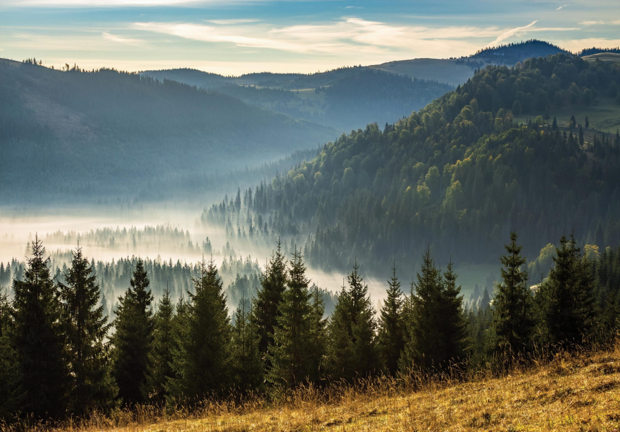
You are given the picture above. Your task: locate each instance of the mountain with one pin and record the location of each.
(456, 71)
(79, 132)
(457, 176)
(344, 99)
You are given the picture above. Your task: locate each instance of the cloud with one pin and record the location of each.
(562, 7)
(232, 21)
(118, 39)
(512, 32)
(590, 23)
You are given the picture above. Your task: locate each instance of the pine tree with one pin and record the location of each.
(85, 327)
(452, 318)
(247, 363)
(133, 337)
(318, 330)
(554, 125)
(353, 350)
(513, 306)
(37, 338)
(566, 299)
(202, 366)
(11, 376)
(427, 345)
(587, 123)
(160, 355)
(391, 339)
(293, 352)
(265, 309)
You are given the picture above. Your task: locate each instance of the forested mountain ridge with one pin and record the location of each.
(114, 130)
(459, 175)
(345, 98)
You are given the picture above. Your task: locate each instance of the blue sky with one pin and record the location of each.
(235, 37)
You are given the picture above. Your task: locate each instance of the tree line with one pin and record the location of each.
(60, 356)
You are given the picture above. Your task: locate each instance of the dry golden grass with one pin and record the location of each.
(573, 393)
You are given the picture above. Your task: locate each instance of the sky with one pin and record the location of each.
(233, 37)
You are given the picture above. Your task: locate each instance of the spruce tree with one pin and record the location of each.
(391, 339)
(37, 338)
(318, 330)
(265, 309)
(293, 353)
(11, 375)
(566, 298)
(452, 318)
(160, 355)
(247, 363)
(513, 304)
(133, 337)
(85, 327)
(352, 346)
(433, 320)
(202, 366)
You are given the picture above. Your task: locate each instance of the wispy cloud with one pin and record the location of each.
(561, 7)
(232, 21)
(591, 23)
(122, 40)
(512, 32)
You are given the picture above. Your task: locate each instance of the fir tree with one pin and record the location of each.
(554, 125)
(265, 309)
(566, 298)
(247, 362)
(133, 337)
(452, 318)
(202, 366)
(11, 376)
(293, 352)
(85, 327)
(37, 338)
(353, 350)
(512, 307)
(391, 340)
(160, 355)
(318, 329)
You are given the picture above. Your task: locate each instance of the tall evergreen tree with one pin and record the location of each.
(133, 337)
(566, 298)
(353, 350)
(293, 354)
(202, 366)
(391, 338)
(11, 375)
(265, 309)
(452, 318)
(434, 319)
(248, 366)
(37, 337)
(513, 304)
(318, 330)
(160, 355)
(85, 327)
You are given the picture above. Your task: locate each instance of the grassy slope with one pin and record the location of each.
(603, 116)
(575, 393)
(604, 56)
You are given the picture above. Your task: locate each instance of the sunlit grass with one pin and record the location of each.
(578, 392)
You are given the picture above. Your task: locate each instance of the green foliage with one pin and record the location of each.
(294, 352)
(161, 351)
(353, 349)
(247, 364)
(391, 338)
(86, 329)
(434, 319)
(566, 297)
(513, 320)
(38, 339)
(202, 364)
(265, 309)
(133, 337)
(11, 377)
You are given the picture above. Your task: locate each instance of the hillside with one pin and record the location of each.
(458, 71)
(458, 176)
(345, 99)
(79, 132)
(581, 392)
